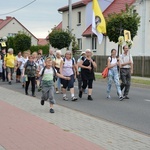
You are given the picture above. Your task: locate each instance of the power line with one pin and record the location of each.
(18, 9)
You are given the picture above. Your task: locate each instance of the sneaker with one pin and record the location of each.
(108, 97)
(33, 95)
(26, 93)
(89, 98)
(126, 97)
(65, 98)
(80, 94)
(51, 110)
(57, 92)
(9, 82)
(74, 98)
(42, 102)
(121, 98)
(39, 89)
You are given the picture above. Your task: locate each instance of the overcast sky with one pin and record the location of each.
(39, 17)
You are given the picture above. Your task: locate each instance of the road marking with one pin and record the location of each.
(147, 100)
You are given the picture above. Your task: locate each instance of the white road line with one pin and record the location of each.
(147, 100)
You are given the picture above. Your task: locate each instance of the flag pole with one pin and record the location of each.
(70, 21)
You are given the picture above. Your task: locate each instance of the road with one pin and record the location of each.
(133, 113)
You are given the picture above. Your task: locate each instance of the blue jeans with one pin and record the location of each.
(113, 76)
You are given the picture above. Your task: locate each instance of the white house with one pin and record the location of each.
(11, 26)
(82, 29)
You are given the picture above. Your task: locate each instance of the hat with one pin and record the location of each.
(82, 53)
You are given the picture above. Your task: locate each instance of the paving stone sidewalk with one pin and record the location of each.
(105, 134)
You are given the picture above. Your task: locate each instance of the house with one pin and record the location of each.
(11, 26)
(82, 29)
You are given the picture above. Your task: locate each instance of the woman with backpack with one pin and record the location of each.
(29, 71)
(68, 69)
(87, 65)
(113, 75)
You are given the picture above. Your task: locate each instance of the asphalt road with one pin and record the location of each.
(133, 113)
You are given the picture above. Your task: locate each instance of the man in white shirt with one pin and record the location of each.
(126, 62)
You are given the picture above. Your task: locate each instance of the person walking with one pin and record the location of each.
(113, 75)
(126, 62)
(10, 64)
(79, 71)
(87, 65)
(23, 61)
(29, 71)
(48, 74)
(3, 53)
(18, 69)
(57, 67)
(68, 69)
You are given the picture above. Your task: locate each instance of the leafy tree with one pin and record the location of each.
(10, 42)
(59, 38)
(126, 20)
(22, 42)
(75, 46)
(45, 49)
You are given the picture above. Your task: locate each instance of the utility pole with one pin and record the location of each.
(70, 21)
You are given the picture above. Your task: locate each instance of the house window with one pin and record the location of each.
(80, 43)
(79, 18)
(12, 34)
(94, 43)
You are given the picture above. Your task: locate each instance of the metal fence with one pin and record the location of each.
(141, 65)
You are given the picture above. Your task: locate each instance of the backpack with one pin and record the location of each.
(54, 76)
(29, 72)
(73, 61)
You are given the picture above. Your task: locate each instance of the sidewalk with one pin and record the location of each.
(25, 124)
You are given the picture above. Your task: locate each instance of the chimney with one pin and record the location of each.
(8, 17)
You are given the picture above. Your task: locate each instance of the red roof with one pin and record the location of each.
(42, 42)
(59, 26)
(3, 23)
(115, 7)
(75, 5)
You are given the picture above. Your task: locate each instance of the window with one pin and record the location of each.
(12, 34)
(80, 44)
(94, 43)
(79, 18)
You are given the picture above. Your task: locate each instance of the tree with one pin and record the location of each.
(59, 38)
(22, 42)
(126, 20)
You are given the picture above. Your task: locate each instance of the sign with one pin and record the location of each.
(127, 35)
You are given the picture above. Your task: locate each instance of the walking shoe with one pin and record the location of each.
(57, 92)
(65, 98)
(27, 93)
(9, 82)
(126, 97)
(121, 98)
(42, 102)
(89, 98)
(108, 97)
(51, 110)
(74, 98)
(80, 94)
(33, 95)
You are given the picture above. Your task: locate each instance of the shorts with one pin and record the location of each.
(10, 70)
(68, 83)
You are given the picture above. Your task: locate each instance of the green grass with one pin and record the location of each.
(133, 80)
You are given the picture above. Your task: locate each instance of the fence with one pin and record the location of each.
(141, 65)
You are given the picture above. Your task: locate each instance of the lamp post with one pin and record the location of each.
(70, 21)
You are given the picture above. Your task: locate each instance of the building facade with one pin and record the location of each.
(11, 26)
(82, 28)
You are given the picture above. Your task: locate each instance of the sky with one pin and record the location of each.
(39, 17)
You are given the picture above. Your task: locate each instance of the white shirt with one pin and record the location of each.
(124, 59)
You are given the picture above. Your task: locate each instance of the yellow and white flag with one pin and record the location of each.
(98, 22)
